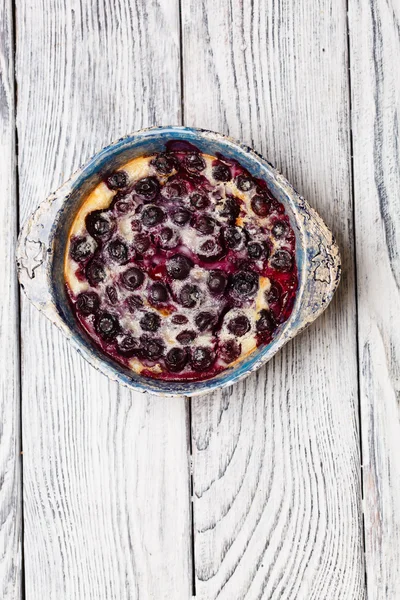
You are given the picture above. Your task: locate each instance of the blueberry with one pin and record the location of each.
(261, 206)
(99, 224)
(205, 321)
(152, 348)
(230, 350)
(147, 188)
(176, 360)
(152, 215)
(186, 337)
(255, 250)
(265, 322)
(175, 189)
(179, 266)
(141, 243)
(134, 303)
(217, 282)
(158, 293)
(180, 215)
(274, 293)
(95, 272)
(244, 183)
(221, 173)
(245, 283)
(210, 250)
(118, 251)
(199, 200)
(138, 211)
(168, 238)
(204, 224)
(122, 206)
(189, 295)
(150, 321)
(112, 294)
(282, 260)
(239, 325)
(194, 163)
(166, 234)
(179, 319)
(234, 237)
(81, 249)
(87, 303)
(263, 191)
(280, 229)
(231, 210)
(132, 278)
(122, 203)
(117, 180)
(128, 345)
(107, 326)
(164, 163)
(136, 225)
(202, 358)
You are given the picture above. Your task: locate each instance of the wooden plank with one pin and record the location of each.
(374, 51)
(106, 475)
(10, 434)
(276, 465)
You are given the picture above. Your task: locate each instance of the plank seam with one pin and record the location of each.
(192, 543)
(19, 332)
(182, 90)
(352, 179)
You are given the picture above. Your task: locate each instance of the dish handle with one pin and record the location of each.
(322, 268)
(34, 256)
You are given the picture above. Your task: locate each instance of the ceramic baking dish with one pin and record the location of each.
(43, 239)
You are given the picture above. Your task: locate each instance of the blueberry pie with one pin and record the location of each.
(181, 264)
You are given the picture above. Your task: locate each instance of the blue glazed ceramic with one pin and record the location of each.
(41, 249)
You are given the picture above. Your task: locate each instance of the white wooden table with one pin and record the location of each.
(286, 486)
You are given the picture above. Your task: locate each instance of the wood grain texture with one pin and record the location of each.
(106, 474)
(10, 463)
(276, 465)
(375, 50)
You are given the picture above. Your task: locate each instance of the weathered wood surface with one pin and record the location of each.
(106, 473)
(276, 464)
(10, 438)
(375, 51)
